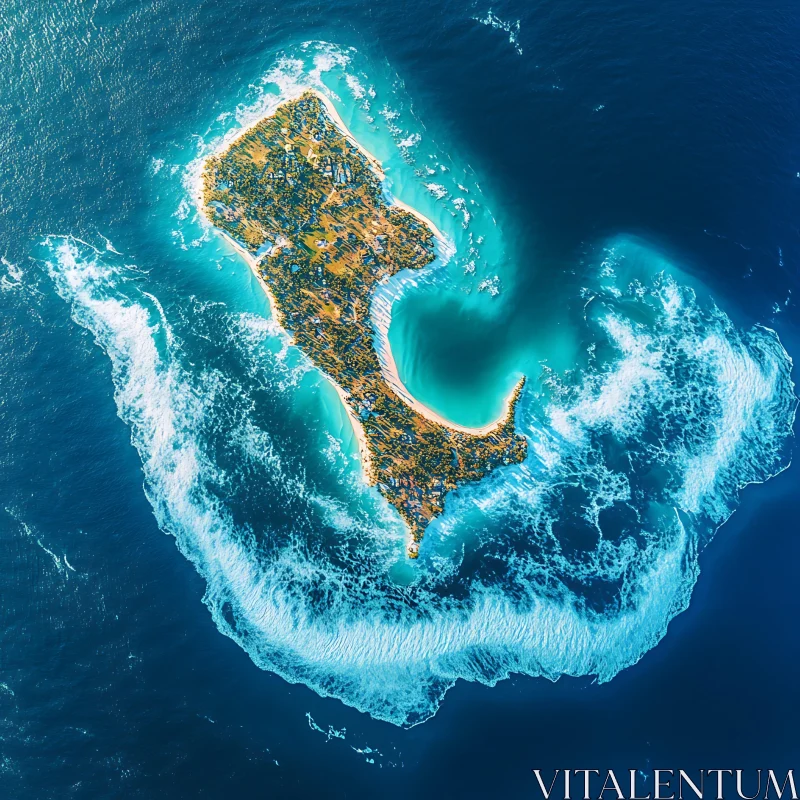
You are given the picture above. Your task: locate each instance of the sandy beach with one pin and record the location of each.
(388, 364)
(345, 131)
(358, 430)
(392, 377)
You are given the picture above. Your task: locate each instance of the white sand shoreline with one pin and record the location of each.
(392, 377)
(386, 359)
(358, 430)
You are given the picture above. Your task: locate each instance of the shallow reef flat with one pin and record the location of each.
(306, 202)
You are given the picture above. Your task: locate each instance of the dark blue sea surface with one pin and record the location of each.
(199, 597)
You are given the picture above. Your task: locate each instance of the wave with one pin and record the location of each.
(572, 563)
(511, 28)
(591, 546)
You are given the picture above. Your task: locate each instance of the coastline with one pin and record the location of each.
(358, 430)
(252, 262)
(387, 362)
(393, 201)
(344, 130)
(373, 162)
(392, 377)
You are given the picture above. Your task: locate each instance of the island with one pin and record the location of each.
(305, 204)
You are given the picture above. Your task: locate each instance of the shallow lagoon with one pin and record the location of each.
(263, 434)
(646, 413)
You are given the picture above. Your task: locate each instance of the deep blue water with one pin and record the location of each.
(622, 141)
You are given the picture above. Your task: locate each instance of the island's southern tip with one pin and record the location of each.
(304, 204)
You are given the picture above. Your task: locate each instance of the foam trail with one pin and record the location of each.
(29, 532)
(12, 279)
(571, 563)
(339, 625)
(511, 28)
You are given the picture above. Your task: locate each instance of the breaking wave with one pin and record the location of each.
(572, 563)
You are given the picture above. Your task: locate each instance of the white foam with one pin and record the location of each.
(411, 140)
(437, 190)
(742, 387)
(511, 28)
(615, 400)
(461, 204)
(394, 661)
(12, 279)
(312, 601)
(33, 536)
(490, 285)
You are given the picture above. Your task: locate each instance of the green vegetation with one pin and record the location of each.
(303, 199)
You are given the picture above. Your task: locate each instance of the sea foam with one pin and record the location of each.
(572, 563)
(321, 610)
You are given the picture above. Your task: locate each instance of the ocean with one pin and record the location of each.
(200, 597)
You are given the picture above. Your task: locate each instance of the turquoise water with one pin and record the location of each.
(647, 411)
(201, 597)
